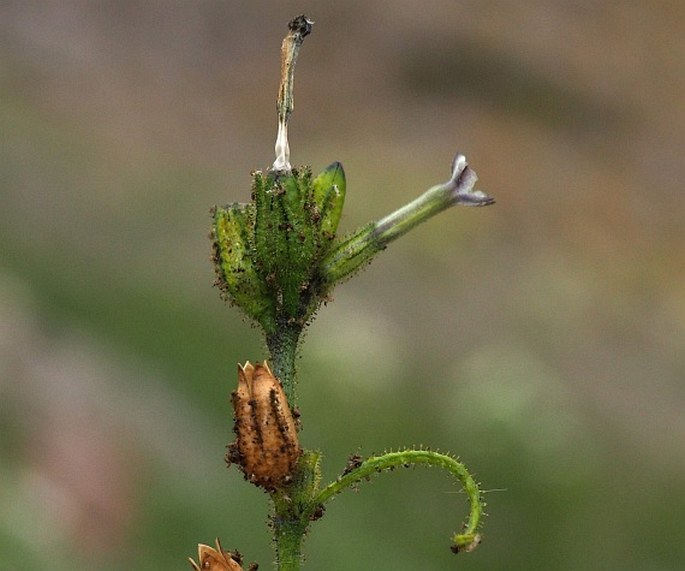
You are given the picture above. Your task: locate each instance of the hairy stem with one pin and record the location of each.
(288, 538)
(468, 539)
(282, 345)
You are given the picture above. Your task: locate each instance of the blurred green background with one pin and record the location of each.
(541, 339)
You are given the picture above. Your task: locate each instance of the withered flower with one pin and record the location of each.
(216, 559)
(266, 446)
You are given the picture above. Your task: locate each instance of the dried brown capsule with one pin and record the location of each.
(215, 559)
(266, 446)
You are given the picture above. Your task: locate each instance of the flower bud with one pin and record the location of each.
(216, 559)
(329, 196)
(266, 446)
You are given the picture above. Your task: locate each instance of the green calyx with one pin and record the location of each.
(268, 253)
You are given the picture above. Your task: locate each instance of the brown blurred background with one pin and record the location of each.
(541, 339)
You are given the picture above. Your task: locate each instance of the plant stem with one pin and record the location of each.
(289, 548)
(468, 539)
(288, 537)
(291, 511)
(288, 531)
(282, 345)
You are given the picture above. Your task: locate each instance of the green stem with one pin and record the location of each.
(288, 529)
(291, 517)
(282, 345)
(465, 541)
(288, 538)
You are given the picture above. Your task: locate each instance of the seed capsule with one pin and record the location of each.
(216, 559)
(266, 446)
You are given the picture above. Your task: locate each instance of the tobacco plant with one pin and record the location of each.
(278, 258)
